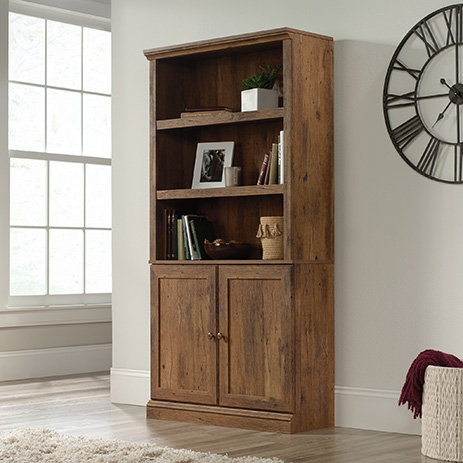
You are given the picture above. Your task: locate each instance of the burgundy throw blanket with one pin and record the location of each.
(412, 390)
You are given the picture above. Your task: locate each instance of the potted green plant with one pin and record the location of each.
(258, 90)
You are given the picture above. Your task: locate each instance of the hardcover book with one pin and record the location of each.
(191, 244)
(263, 169)
(202, 229)
(273, 176)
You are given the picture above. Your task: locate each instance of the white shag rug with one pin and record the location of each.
(46, 446)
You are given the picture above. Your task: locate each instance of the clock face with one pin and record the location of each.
(423, 96)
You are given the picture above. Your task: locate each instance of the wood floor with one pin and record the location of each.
(80, 405)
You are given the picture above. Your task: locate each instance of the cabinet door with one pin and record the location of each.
(255, 354)
(184, 359)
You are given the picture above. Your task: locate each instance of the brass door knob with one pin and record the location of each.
(210, 335)
(220, 336)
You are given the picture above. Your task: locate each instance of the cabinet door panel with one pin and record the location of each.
(184, 359)
(255, 317)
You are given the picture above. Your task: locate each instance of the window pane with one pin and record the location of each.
(28, 267)
(97, 126)
(64, 45)
(66, 194)
(97, 61)
(98, 196)
(63, 122)
(66, 261)
(28, 192)
(26, 49)
(98, 261)
(26, 118)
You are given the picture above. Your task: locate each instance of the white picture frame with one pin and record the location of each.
(211, 160)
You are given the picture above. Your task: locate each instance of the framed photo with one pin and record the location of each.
(211, 159)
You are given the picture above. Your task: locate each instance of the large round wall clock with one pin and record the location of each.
(423, 96)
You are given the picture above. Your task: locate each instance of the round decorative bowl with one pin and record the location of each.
(219, 249)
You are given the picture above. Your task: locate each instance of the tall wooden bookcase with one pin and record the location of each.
(245, 343)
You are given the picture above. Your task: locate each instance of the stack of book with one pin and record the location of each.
(185, 234)
(272, 170)
(206, 111)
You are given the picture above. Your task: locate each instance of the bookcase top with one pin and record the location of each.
(221, 43)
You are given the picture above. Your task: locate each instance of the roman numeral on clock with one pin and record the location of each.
(401, 101)
(450, 19)
(399, 66)
(405, 133)
(409, 99)
(427, 162)
(458, 165)
(425, 33)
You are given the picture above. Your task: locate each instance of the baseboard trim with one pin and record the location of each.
(130, 387)
(373, 409)
(57, 361)
(356, 407)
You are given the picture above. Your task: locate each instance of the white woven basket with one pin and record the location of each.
(442, 414)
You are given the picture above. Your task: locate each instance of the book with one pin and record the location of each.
(273, 176)
(169, 235)
(185, 240)
(208, 109)
(281, 164)
(201, 230)
(180, 245)
(174, 236)
(164, 232)
(267, 171)
(263, 169)
(191, 244)
(214, 110)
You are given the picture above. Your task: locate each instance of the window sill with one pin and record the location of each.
(20, 317)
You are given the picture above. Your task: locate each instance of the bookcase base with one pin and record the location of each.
(222, 416)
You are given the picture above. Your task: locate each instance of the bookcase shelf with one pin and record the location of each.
(244, 343)
(216, 119)
(227, 192)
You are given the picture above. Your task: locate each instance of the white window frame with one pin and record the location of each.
(17, 310)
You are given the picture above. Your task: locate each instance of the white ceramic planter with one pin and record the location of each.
(258, 98)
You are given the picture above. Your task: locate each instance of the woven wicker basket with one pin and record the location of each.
(442, 414)
(270, 233)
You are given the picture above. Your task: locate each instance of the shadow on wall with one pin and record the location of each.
(399, 258)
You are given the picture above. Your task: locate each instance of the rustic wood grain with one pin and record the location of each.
(259, 262)
(184, 359)
(314, 340)
(229, 43)
(155, 240)
(310, 199)
(277, 354)
(221, 416)
(216, 119)
(256, 352)
(249, 190)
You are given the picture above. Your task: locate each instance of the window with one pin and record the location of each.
(60, 162)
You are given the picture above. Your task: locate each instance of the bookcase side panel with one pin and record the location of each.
(287, 145)
(152, 165)
(310, 186)
(314, 341)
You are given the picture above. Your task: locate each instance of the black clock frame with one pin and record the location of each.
(406, 132)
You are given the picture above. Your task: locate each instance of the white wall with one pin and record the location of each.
(399, 258)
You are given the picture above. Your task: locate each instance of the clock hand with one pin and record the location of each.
(455, 92)
(441, 115)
